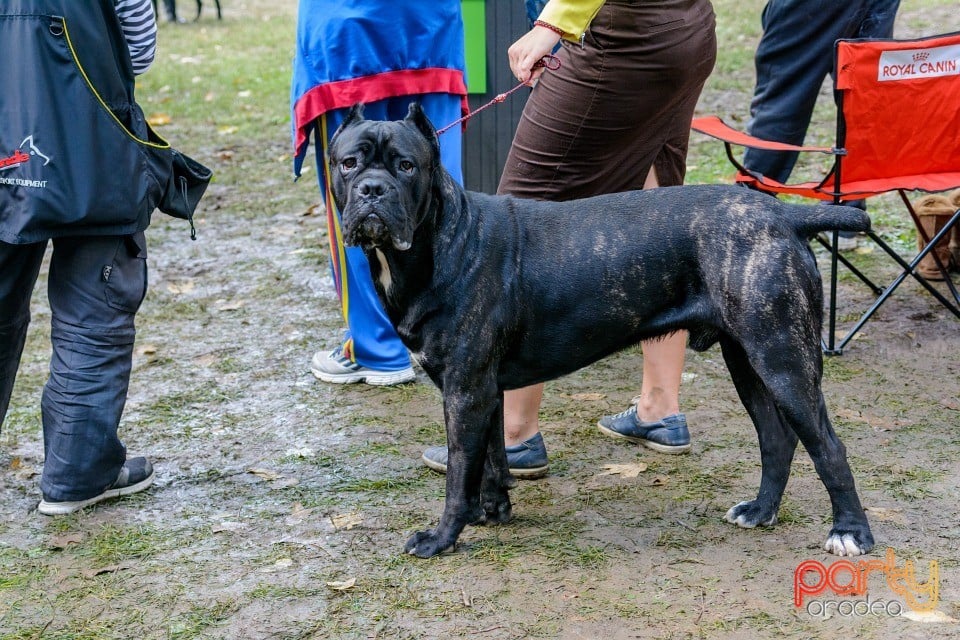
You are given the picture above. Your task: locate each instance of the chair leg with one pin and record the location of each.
(830, 347)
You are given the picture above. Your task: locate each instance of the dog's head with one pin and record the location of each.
(382, 175)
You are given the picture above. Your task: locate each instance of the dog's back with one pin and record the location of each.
(612, 270)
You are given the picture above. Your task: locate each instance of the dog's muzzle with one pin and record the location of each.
(373, 228)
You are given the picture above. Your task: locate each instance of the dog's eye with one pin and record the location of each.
(406, 165)
(349, 163)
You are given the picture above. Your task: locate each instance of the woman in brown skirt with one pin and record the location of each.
(614, 117)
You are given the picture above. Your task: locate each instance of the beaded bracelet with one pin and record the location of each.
(547, 25)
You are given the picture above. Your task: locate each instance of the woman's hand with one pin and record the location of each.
(527, 51)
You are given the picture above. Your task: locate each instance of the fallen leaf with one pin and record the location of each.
(65, 540)
(298, 514)
(147, 350)
(206, 360)
(342, 586)
(266, 474)
(225, 131)
(227, 525)
(283, 563)
(314, 209)
(231, 306)
(16, 463)
(346, 521)
(625, 470)
(187, 286)
(950, 404)
(159, 119)
(658, 481)
(927, 616)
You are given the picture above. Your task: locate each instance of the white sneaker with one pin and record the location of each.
(335, 367)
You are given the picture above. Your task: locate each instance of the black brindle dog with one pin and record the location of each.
(494, 292)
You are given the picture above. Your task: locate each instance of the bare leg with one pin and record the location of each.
(662, 367)
(662, 363)
(521, 408)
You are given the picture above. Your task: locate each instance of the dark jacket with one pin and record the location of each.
(76, 154)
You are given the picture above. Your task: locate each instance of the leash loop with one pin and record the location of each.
(548, 62)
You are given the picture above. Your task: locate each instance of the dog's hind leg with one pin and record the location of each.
(791, 377)
(497, 479)
(777, 441)
(850, 535)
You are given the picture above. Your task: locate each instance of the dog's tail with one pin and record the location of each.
(811, 220)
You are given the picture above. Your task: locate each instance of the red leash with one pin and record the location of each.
(548, 61)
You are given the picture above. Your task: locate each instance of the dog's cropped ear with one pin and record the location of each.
(418, 118)
(354, 116)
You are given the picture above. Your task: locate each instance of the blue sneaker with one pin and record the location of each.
(527, 460)
(669, 435)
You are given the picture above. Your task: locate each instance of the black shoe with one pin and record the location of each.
(136, 474)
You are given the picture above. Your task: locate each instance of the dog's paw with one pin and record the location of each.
(844, 542)
(425, 544)
(497, 508)
(751, 514)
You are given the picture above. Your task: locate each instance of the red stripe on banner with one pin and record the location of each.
(346, 93)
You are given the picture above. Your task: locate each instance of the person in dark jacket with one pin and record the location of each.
(98, 273)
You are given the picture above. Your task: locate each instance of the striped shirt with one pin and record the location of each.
(140, 29)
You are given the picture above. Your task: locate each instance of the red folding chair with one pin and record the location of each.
(898, 129)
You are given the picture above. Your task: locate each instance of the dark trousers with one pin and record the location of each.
(793, 58)
(95, 287)
(618, 104)
(170, 8)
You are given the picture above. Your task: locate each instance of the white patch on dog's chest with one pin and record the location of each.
(385, 280)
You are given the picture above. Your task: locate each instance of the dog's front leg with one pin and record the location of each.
(468, 412)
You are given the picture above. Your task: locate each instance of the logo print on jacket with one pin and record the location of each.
(19, 157)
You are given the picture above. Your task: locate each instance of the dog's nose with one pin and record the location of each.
(371, 188)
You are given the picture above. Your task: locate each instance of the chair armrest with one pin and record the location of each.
(715, 127)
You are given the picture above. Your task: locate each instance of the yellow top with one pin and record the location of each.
(571, 16)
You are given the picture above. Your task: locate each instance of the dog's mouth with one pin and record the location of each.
(370, 230)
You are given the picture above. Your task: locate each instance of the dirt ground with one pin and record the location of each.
(282, 504)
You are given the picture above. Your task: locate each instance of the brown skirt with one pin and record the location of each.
(618, 105)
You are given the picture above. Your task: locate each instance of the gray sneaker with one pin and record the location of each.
(333, 366)
(527, 460)
(668, 435)
(135, 475)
